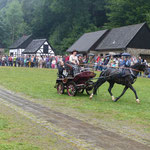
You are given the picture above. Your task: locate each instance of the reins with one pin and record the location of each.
(92, 65)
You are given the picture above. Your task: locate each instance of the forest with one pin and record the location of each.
(62, 22)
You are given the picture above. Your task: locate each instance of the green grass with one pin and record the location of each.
(39, 84)
(7, 128)
(3, 123)
(17, 146)
(19, 133)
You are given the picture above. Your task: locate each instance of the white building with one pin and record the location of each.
(20, 45)
(39, 47)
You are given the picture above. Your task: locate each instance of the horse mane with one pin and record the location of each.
(135, 65)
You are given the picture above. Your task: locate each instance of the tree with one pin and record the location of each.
(3, 33)
(61, 21)
(76, 17)
(125, 12)
(64, 21)
(14, 17)
(31, 13)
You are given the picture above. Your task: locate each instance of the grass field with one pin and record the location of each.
(19, 133)
(39, 85)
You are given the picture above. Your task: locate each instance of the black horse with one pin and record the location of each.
(124, 76)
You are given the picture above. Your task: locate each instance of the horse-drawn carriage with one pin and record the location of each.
(76, 80)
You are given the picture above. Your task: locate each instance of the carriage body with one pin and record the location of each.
(75, 81)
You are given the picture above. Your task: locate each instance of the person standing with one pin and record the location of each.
(81, 61)
(32, 61)
(14, 61)
(10, 61)
(127, 62)
(140, 61)
(53, 63)
(67, 58)
(22, 61)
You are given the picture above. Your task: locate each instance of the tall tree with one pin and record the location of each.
(64, 21)
(14, 17)
(31, 12)
(125, 12)
(3, 33)
(76, 17)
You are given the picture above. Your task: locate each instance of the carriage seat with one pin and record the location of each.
(72, 69)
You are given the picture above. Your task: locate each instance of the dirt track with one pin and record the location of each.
(94, 137)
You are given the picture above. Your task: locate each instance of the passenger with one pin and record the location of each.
(61, 69)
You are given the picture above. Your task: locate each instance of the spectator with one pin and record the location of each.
(53, 63)
(10, 61)
(98, 62)
(81, 61)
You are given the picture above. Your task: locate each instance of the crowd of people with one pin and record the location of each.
(30, 61)
(99, 63)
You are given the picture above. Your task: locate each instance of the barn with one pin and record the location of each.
(88, 41)
(134, 39)
(39, 47)
(19, 46)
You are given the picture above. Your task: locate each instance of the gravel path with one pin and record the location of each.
(84, 135)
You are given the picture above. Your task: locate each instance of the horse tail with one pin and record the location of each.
(99, 82)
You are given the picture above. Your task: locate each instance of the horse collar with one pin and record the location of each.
(132, 73)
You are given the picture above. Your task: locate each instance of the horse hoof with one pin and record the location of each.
(113, 98)
(91, 96)
(138, 101)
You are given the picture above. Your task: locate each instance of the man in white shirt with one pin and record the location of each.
(73, 58)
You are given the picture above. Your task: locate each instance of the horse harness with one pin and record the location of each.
(132, 74)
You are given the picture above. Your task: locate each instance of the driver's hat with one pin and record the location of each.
(74, 51)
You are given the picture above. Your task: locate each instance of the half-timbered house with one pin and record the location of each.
(39, 47)
(19, 46)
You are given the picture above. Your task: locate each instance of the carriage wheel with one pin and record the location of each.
(71, 89)
(81, 90)
(60, 88)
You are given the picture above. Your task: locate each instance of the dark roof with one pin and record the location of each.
(119, 38)
(87, 41)
(34, 46)
(23, 42)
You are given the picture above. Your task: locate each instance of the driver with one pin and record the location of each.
(73, 58)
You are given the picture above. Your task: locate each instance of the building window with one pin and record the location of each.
(45, 51)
